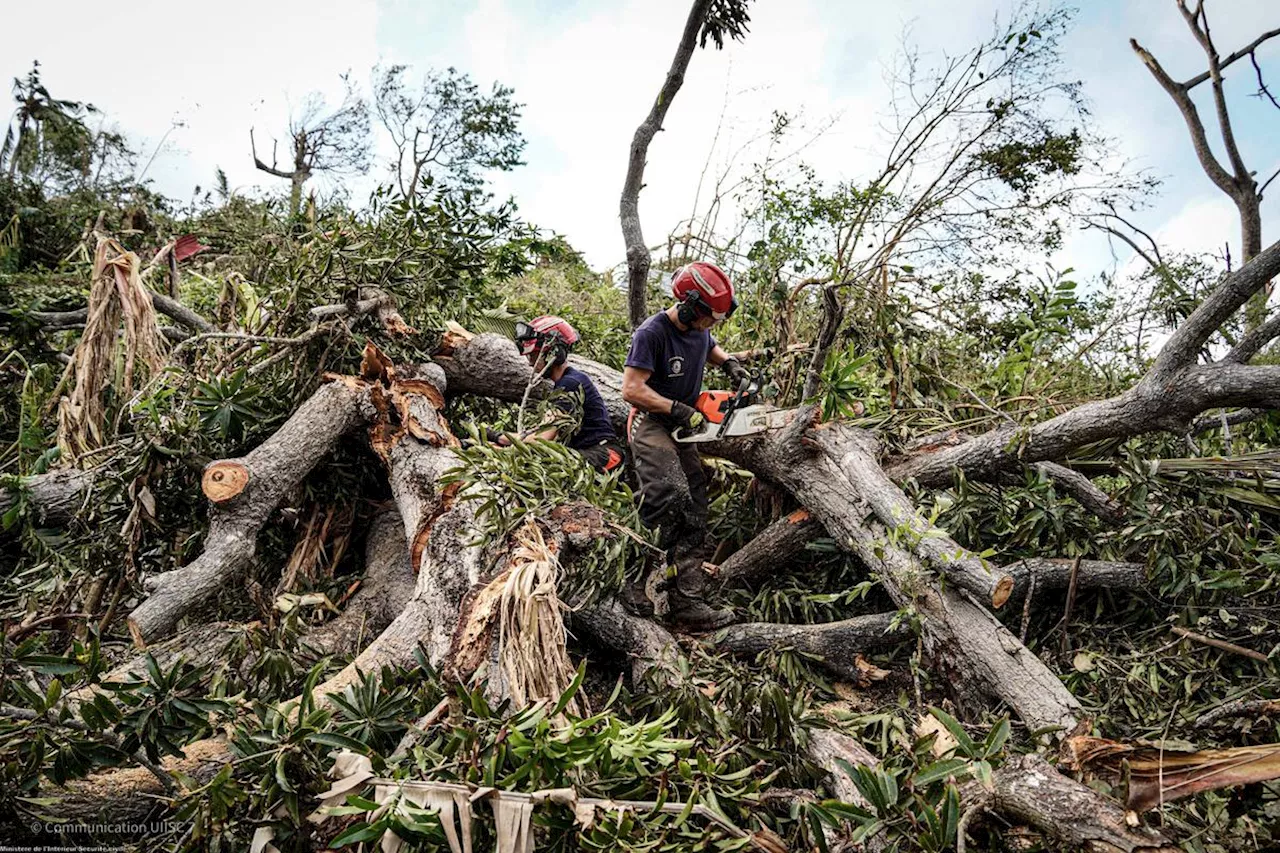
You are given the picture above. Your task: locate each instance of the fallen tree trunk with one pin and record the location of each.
(488, 365)
(836, 643)
(974, 652)
(54, 498)
(780, 542)
(649, 646)
(1029, 789)
(387, 585)
(855, 452)
(414, 440)
(245, 492)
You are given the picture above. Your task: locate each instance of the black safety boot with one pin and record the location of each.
(686, 604)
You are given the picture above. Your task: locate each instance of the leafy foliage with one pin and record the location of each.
(529, 479)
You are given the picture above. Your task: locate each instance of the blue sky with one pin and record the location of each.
(586, 72)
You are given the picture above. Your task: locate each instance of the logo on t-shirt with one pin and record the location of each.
(675, 366)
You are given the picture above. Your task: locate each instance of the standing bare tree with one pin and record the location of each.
(336, 142)
(446, 128)
(1238, 183)
(714, 19)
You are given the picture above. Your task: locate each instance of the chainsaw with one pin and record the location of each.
(730, 414)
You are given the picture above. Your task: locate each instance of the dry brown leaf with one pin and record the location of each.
(868, 673)
(944, 743)
(1157, 776)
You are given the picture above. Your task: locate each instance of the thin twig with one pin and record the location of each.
(1071, 601)
(1262, 86)
(1219, 644)
(1026, 605)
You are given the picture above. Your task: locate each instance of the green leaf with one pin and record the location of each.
(282, 778)
(957, 731)
(359, 832)
(938, 771)
(340, 741)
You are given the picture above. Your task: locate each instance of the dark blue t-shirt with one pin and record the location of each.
(596, 426)
(676, 359)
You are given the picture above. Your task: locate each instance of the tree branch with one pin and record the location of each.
(1185, 344)
(1247, 50)
(1218, 421)
(1253, 342)
(629, 204)
(1198, 21)
(1220, 177)
(261, 166)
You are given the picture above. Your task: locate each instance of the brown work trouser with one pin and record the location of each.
(673, 487)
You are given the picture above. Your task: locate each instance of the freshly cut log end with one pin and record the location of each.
(1003, 589)
(224, 480)
(135, 633)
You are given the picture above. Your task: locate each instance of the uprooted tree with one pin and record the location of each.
(263, 543)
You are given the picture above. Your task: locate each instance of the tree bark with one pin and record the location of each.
(648, 645)
(629, 204)
(1051, 573)
(1029, 789)
(417, 449)
(836, 643)
(782, 541)
(275, 467)
(54, 498)
(855, 452)
(971, 650)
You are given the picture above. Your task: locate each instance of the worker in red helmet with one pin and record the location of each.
(579, 417)
(661, 380)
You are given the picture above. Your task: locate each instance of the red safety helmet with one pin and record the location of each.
(705, 289)
(546, 331)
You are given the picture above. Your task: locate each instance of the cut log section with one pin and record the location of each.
(275, 467)
(224, 480)
(1053, 573)
(836, 643)
(780, 542)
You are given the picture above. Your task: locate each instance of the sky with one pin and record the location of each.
(186, 82)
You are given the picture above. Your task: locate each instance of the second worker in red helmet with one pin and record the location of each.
(661, 381)
(578, 417)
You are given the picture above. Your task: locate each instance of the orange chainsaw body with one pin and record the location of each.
(714, 405)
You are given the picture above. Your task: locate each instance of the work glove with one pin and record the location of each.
(686, 416)
(735, 371)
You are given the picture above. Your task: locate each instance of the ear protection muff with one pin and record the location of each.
(686, 313)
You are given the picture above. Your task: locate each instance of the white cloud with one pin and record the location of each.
(587, 73)
(217, 69)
